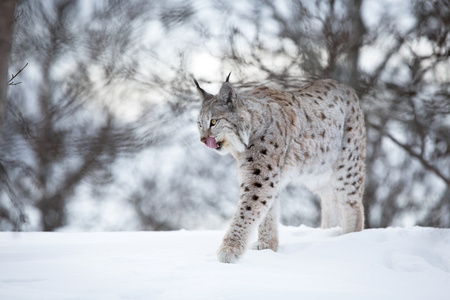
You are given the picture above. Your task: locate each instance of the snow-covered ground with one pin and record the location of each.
(391, 263)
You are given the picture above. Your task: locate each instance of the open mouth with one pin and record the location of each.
(213, 144)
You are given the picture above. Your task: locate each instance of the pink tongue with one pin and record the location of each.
(211, 142)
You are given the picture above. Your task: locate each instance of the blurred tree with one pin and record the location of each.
(59, 136)
(7, 10)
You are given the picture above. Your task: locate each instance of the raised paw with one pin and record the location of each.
(229, 253)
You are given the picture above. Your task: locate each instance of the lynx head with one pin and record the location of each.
(221, 121)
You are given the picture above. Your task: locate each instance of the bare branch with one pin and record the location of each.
(412, 153)
(13, 76)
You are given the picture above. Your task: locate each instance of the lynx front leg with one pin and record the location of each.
(248, 216)
(268, 230)
(257, 196)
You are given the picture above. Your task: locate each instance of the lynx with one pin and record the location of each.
(314, 136)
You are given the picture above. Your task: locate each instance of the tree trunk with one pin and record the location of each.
(7, 9)
(358, 31)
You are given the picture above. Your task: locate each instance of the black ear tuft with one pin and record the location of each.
(203, 94)
(196, 84)
(228, 77)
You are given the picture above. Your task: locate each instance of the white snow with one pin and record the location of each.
(392, 263)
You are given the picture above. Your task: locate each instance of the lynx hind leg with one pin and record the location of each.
(268, 230)
(349, 188)
(349, 174)
(330, 213)
(352, 213)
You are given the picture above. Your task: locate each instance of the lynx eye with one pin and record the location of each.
(199, 125)
(213, 122)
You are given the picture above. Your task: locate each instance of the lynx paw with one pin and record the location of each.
(229, 254)
(260, 245)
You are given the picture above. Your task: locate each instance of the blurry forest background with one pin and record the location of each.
(100, 130)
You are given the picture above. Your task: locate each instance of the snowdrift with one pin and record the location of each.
(391, 263)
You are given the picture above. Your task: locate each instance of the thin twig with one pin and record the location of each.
(10, 82)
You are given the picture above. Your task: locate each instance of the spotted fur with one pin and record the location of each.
(314, 136)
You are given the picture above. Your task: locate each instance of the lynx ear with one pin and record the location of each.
(227, 93)
(203, 94)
